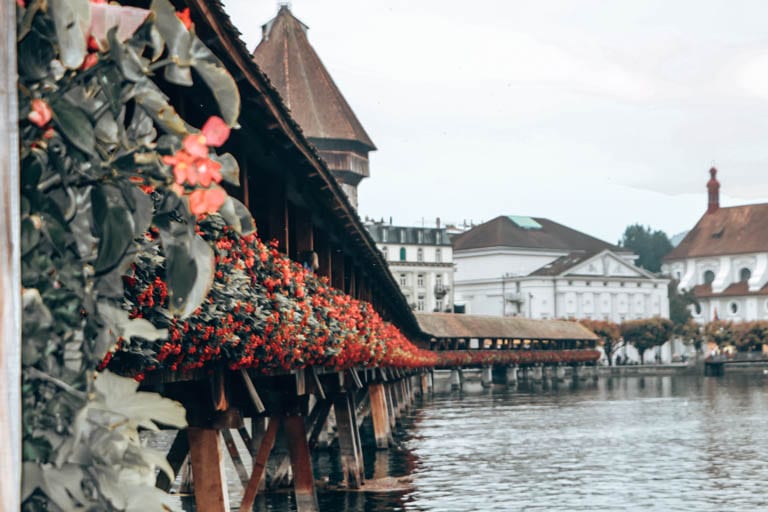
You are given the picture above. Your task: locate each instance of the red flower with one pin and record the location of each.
(41, 113)
(89, 61)
(207, 200)
(185, 18)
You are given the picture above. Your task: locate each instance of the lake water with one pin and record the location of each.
(631, 443)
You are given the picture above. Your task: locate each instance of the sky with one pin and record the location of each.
(595, 114)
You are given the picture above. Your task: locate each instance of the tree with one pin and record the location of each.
(646, 333)
(609, 333)
(678, 304)
(692, 334)
(650, 246)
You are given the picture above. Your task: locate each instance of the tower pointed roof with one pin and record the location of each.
(307, 88)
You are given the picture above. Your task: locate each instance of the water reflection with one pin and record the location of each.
(624, 443)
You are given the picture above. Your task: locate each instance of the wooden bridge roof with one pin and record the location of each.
(264, 114)
(447, 325)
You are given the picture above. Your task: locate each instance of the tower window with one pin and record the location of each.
(744, 275)
(402, 254)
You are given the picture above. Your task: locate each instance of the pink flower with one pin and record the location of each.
(206, 200)
(41, 113)
(216, 131)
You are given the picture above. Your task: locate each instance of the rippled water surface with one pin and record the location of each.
(634, 443)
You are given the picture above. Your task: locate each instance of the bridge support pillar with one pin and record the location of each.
(346, 425)
(205, 452)
(537, 374)
(559, 373)
(457, 378)
(424, 382)
(380, 415)
(511, 375)
(486, 376)
(301, 463)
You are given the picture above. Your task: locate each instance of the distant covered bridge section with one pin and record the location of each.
(477, 332)
(507, 347)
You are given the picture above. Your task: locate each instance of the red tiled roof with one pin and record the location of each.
(307, 88)
(739, 289)
(733, 230)
(504, 232)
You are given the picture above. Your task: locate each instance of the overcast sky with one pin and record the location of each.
(596, 114)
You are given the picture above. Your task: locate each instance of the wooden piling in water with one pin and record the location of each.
(346, 425)
(380, 415)
(208, 469)
(301, 463)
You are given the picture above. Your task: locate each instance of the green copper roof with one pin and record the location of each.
(524, 222)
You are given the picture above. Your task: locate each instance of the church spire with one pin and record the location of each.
(713, 191)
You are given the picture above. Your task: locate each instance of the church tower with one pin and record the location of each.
(308, 90)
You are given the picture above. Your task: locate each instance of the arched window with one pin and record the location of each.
(709, 276)
(744, 275)
(402, 254)
(734, 306)
(420, 254)
(438, 255)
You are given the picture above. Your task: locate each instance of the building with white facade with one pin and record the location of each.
(723, 260)
(537, 268)
(421, 260)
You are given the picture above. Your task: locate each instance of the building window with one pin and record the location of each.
(420, 254)
(420, 303)
(384, 253)
(402, 254)
(420, 236)
(438, 238)
(403, 279)
(697, 308)
(420, 280)
(439, 281)
(438, 255)
(384, 235)
(439, 305)
(588, 283)
(744, 275)
(402, 236)
(709, 276)
(734, 307)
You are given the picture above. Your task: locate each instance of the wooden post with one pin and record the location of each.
(208, 470)
(486, 377)
(346, 425)
(260, 465)
(301, 462)
(10, 269)
(379, 415)
(392, 405)
(337, 269)
(424, 385)
(323, 249)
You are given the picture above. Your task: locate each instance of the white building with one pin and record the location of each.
(421, 260)
(723, 260)
(537, 268)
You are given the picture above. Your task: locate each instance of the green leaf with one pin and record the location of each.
(128, 328)
(230, 169)
(75, 125)
(237, 215)
(116, 235)
(180, 273)
(142, 408)
(30, 236)
(71, 19)
(149, 97)
(177, 38)
(218, 80)
(133, 67)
